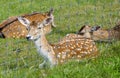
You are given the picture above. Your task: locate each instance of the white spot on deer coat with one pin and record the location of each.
(58, 56)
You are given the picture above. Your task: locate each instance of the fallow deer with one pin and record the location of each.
(96, 34)
(86, 31)
(58, 53)
(101, 34)
(114, 33)
(12, 28)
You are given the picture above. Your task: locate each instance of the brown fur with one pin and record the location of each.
(12, 28)
(71, 48)
(107, 34)
(104, 34)
(76, 48)
(84, 32)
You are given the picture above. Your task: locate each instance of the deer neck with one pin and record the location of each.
(41, 42)
(43, 47)
(46, 50)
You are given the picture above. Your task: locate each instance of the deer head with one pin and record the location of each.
(97, 33)
(87, 31)
(35, 29)
(87, 28)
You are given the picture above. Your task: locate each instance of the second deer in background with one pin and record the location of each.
(101, 34)
(12, 28)
(85, 31)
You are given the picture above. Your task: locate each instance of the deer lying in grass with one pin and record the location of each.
(98, 35)
(12, 28)
(85, 32)
(76, 48)
(104, 34)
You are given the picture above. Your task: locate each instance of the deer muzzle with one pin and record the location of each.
(28, 37)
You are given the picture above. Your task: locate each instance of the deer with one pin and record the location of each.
(85, 31)
(100, 34)
(97, 32)
(61, 52)
(12, 28)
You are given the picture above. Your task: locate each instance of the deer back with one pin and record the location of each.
(71, 36)
(76, 48)
(12, 28)
(97, 33)
(116, 31)
(107, 34)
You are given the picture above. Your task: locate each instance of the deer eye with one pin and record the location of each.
(39, 27)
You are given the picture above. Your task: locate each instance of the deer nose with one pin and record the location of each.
(28, 37)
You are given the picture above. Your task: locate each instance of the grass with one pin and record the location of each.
(18, 57)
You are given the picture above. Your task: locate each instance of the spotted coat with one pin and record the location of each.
(58, 53)
(12, 28)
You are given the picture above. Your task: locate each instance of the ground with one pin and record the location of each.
(18, 57)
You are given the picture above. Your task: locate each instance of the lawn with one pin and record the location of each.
(19, 59)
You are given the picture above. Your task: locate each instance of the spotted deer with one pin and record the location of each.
(12, 28)
(58, 53)
(86, 31)
(101, 34)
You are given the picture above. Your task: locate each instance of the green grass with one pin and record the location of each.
(19, 59)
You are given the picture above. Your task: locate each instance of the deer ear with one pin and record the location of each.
(50, 12)
(82, 29)
(24, 21)
(95, 28)
(98, 27)
(47, 21)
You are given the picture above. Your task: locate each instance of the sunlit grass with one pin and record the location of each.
(19, 59)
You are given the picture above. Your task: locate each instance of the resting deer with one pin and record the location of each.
(101, 34)
(86, 31)
(95, 32)
(12, 28)
(60, 52)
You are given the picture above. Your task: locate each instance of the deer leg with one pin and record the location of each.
(53, 62)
